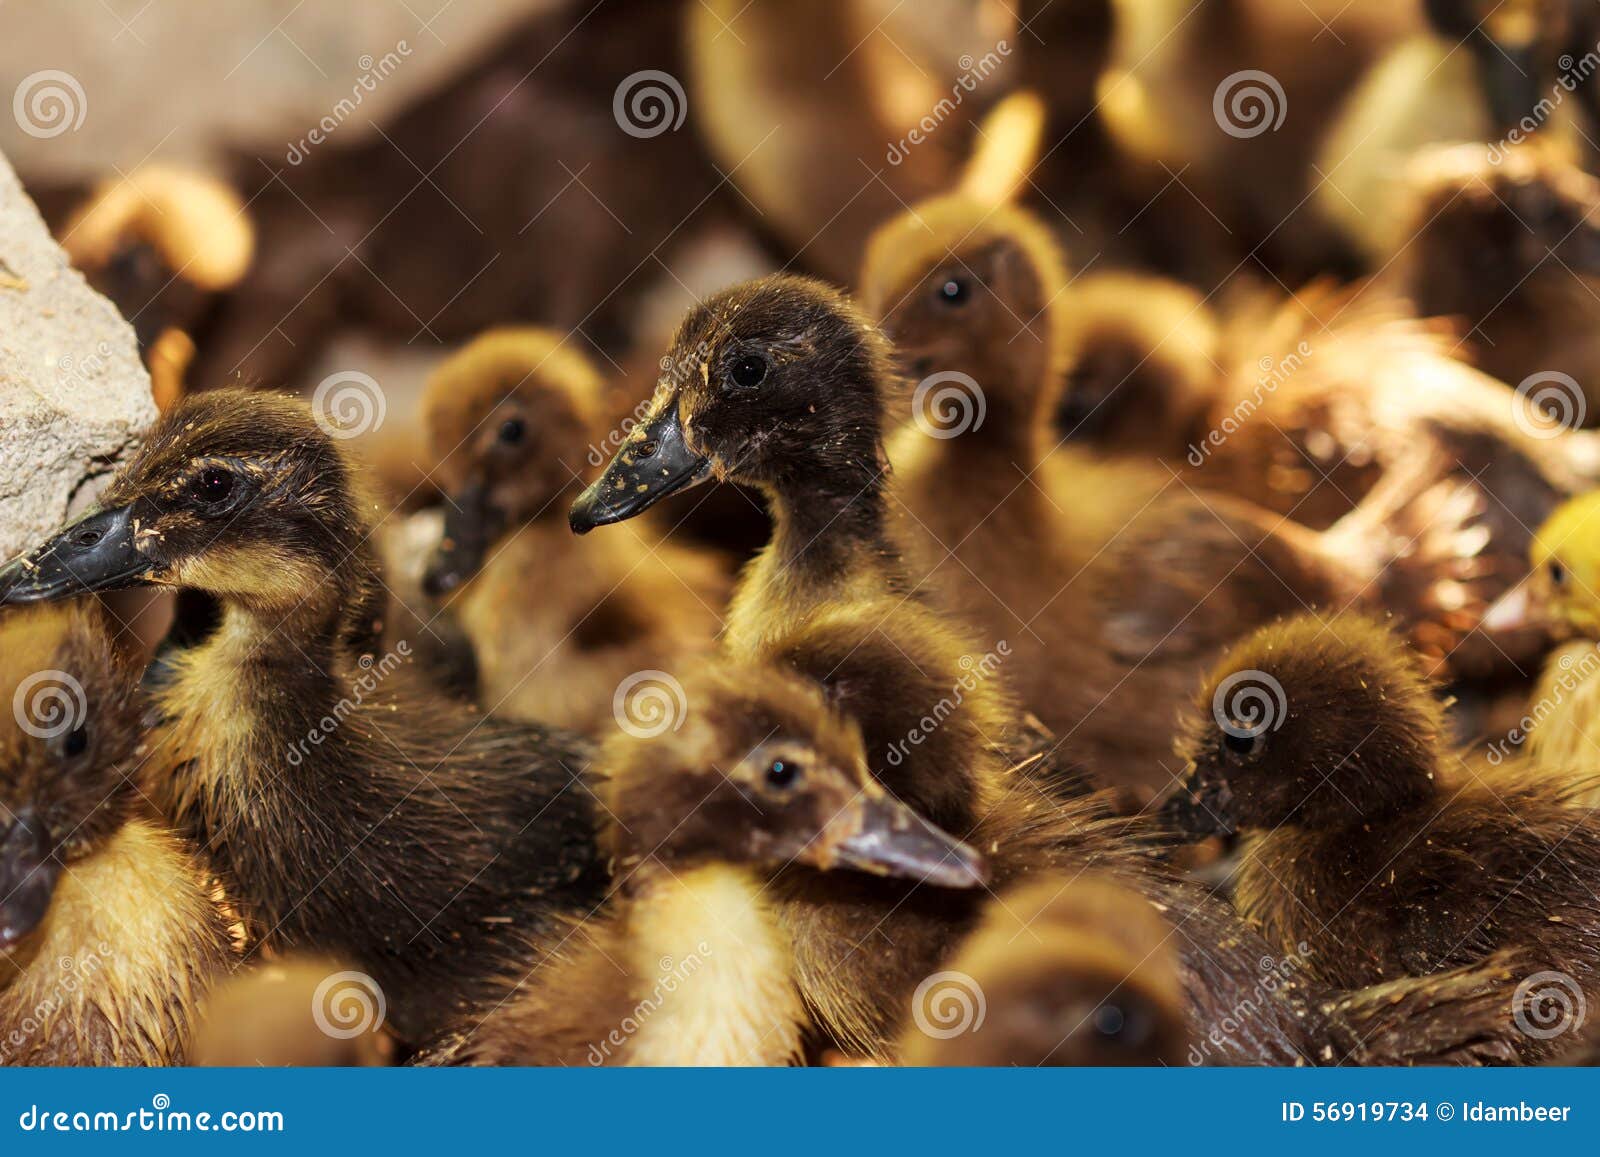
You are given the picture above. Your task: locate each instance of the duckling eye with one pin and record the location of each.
(1558, 573)
(749, 371)
(512, 431)
(954, 292)
(212, 485)
(1125, 1024)
(783, 773)
(1241, 746)
(76, 742)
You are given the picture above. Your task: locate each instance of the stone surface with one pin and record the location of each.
(74, 396)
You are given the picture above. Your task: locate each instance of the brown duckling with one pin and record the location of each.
(691, 963)
(1115, 583)
(109, 938)
(162, 243)
(782, 391)
(556, 622)
(1060, 972)
(1371, 842)
(349, 810)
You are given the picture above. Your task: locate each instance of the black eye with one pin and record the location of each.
(1241, 746)
(1126, 1024)
(76, 742)
(783, 773)
(955, 291)
(512, 431)
(749, 371)
(212, 485)
(1558, 573)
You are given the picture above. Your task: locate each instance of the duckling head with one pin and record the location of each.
(1563, 585)
(507, 420)
(236, 493)
(68, 750)
(774, 383)
(1072, 972)
(964, 285)
(756, 769)
(1311, 724)
(1514, 44)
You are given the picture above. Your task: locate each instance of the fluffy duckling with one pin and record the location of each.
(782, 391)
(162, 243)
(1115, 583)
(109, 939)
(1068, 972)
(348, 810)
(691, 964)
(556, 622)
(1322, 741)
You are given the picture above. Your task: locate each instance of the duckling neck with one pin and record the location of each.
(827, 524)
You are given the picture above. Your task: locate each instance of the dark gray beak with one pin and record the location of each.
(93, 554)
(653, 463)
(471, 524)
(1199, 809)
(28, 876)
(889, 839)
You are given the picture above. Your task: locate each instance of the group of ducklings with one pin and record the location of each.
(1093, 700)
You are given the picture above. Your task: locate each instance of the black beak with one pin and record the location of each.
(653, 463)
(886, 838)
(471, 524)
(93, 554)
(27, 878)
(1199, 809)
(1510, 76)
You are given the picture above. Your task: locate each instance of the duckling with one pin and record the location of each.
(1069, 972)
(109, 936)
(508, 418)
(1322, 741)
(442, 843)
(301, 1011)
(690, 963)
(1114, 582)
(162, 243)
(781, 390)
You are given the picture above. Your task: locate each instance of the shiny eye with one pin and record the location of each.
(212, 485)
(76, 742)
(1126, 1024)
(1241, 745)
(1558, 573)
(955, 291)
(749, 371)
(512, 431)
(783, 773)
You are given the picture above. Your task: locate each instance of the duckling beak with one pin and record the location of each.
(96, 553)
(28, 876)
(471, 523)
(884, 837)
(655, 461)
(1201, 808)
(1512, 611)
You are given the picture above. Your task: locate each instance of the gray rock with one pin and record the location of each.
(74, 396)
